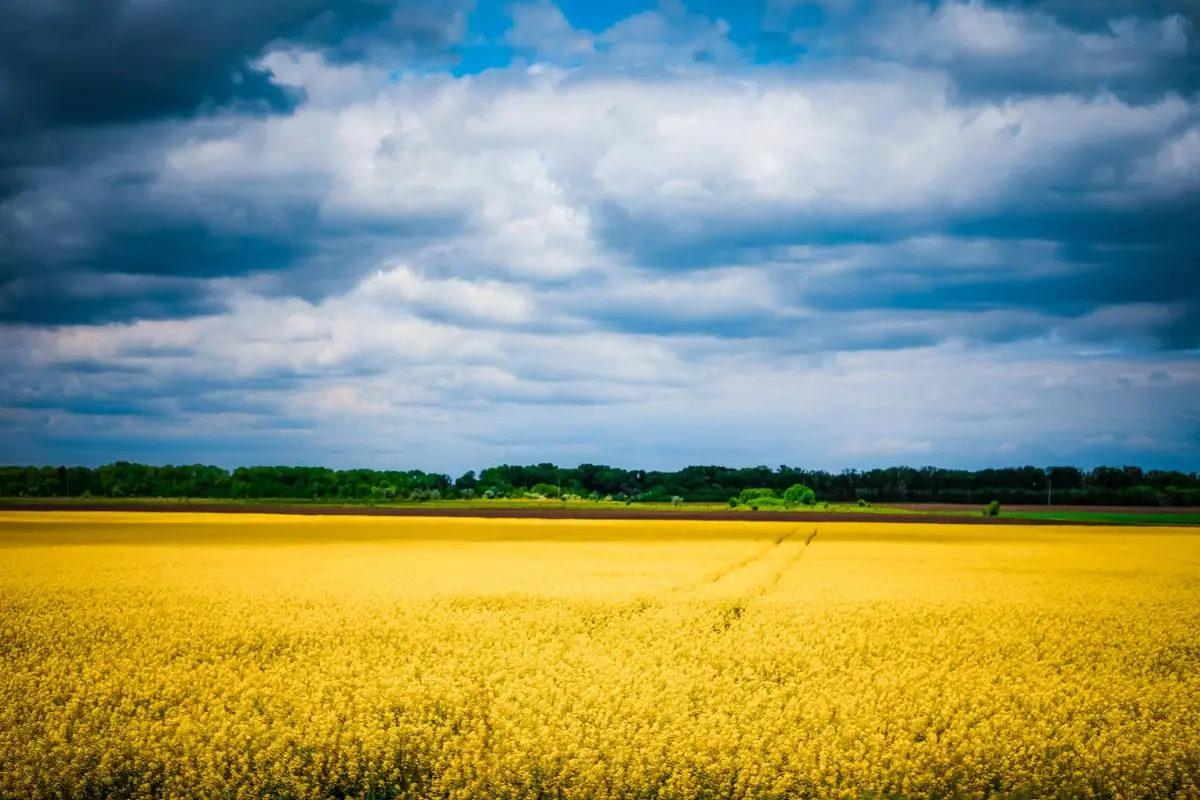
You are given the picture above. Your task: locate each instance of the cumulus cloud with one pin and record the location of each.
(997, 51)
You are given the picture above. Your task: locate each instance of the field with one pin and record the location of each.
(244, 656)
(587, 509)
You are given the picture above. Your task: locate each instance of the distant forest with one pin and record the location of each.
(1124, 486)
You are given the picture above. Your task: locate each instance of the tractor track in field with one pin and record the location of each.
(748, 560)
(553, 513)
(777, 578)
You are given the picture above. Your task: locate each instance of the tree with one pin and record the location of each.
(748, 496)
(1124, 486)
(466, 482)
(800, 495)
(993, 509)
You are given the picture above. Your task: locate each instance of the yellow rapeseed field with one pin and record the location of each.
(232, 656)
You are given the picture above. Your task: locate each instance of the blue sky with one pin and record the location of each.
(445, 234)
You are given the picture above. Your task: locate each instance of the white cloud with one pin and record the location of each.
(487, 301)
(955, 33)
(541, 26)
(1175, 167)
(523, 162)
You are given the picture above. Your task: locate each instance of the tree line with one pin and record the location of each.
(1125, 486)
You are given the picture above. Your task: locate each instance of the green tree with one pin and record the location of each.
(748, 496)
(800, 495)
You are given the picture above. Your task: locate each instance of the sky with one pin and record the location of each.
(444, 234)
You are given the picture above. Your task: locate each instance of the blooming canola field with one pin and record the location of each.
(236, 656)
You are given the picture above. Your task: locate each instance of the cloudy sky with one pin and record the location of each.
(444, 234)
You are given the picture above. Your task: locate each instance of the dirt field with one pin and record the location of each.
(1056, 509)
(970, 515)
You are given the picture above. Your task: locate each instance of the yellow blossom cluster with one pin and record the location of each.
(236, 656)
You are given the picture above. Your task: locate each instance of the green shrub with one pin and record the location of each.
(733, 502)
(800, 495)
(750, 495)
(862, 503)
(993, 509)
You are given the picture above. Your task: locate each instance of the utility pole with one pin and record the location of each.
(1049, 488)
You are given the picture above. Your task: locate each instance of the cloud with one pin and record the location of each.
(998, 51)
(88, 63)
(109, 61)
(635, 240)
(668, 38)
(541, 28)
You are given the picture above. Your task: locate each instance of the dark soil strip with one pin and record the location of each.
(1056, 509)
(623, 513)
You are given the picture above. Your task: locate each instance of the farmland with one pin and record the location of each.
(207, 655)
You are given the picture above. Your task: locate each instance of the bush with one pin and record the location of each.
(750, 495)
(800, 495)
(754, 507)
(733, 502)
(863, 503)
(545, 490)
(676, 501)
(993, 509)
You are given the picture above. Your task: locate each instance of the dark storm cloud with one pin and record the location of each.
(65, 298)
(1147, 255)
(84, 82)
(672, 240)
(89, 62)
(118, 256)
(68, 65)
(1141, 253)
